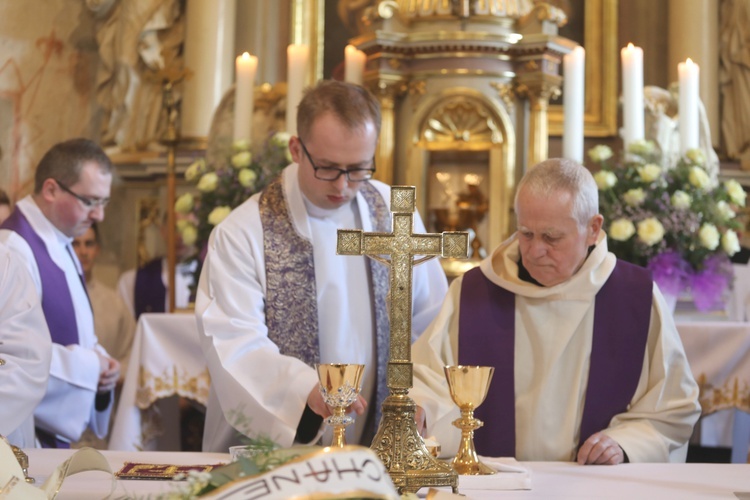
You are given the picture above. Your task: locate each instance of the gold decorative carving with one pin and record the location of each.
(544, 12)
(458, 121)
(169, 383)
(506, 93)
(732, 394)
(397, 442)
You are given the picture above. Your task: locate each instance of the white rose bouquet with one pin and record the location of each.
(223, 186)
(676, 221)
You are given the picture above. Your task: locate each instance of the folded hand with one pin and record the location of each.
(600, 449)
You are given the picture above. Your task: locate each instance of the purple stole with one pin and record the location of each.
(57, 302)
(149, 290)
(622, 317)
(291, 305)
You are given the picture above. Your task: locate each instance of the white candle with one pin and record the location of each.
(245, 66)
(354, 65)
(574, 64)
(632, 93)
(689, 73)
(297, 56)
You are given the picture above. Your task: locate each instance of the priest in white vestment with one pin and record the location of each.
(557, 351)
(25, 351)
(274, 298)
(71, 188)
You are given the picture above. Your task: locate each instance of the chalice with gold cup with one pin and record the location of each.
(468, 386)
(340, 384)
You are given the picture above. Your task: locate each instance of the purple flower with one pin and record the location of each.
(670, 271)
(709, 283)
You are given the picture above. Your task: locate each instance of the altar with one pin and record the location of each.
(167, 361)
(549, 479)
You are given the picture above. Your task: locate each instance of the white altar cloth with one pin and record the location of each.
(166, 360)
(557, 480)
(719, 357)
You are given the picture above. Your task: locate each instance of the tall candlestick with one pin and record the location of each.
(632, 93)
(574, 64)
(297, 56)
(689, 73)
(245, 66)
(354, 65)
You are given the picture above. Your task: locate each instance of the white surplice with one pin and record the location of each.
(553, 336)
(68, 406)
(258, 390)
(25, 350)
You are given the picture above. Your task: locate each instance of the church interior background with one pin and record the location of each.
(469, 88)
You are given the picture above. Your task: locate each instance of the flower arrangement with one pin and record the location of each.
(675, 220)
(224, 185)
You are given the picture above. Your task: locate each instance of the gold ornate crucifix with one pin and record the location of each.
(397, 442)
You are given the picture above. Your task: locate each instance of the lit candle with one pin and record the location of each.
(632, 93)
(297, 56)
(574, 64)
(245, 66)
(689, 73)
(354, 65)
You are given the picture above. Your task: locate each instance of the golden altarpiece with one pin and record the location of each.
(464, 88)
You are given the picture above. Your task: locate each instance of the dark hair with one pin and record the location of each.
(4, 200)
(353, 104)
(65, 160)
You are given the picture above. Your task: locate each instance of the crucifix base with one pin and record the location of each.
(400, 447)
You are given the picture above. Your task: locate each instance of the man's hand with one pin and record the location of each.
(109, 373)
(600, 449)
(316, 404)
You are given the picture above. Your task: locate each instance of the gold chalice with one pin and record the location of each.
(340, 385)
(468, 386)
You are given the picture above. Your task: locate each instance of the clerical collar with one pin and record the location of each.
(523, 273)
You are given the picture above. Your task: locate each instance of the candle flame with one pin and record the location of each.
(631, 46)
(689, 62)
(245, 56)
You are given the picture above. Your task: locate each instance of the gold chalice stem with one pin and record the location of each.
(466, 461)
(339, 429)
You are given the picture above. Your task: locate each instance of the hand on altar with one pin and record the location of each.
(600, 449)
(109, 373)
(316, 404)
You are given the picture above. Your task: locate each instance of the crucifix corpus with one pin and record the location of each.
(397, 442)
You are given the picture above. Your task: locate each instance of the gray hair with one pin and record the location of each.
(561, 174)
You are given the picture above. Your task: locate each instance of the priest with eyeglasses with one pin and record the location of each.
(71, 188)
(274, 298)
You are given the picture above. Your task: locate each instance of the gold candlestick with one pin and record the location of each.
(468, 386)
(340, 384)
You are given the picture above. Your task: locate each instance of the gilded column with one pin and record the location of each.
(694, 33)
(209, 46)
(307, 28)
(387, 91)
(262, 29)
(538, 88)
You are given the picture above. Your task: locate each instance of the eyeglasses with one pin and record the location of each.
(89, 203)
(333, 173)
